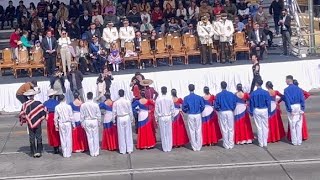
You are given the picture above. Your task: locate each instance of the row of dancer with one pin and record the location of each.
(207, 117)
(234, 120)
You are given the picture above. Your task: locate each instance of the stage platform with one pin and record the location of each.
(306, 71)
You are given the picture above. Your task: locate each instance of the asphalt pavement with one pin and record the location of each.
(279, 161)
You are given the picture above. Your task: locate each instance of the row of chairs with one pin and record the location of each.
(24, 62)
(28, 62)
(170, 47)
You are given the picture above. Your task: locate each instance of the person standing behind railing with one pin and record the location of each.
(285, 24)
(275, 10)
(64, 42)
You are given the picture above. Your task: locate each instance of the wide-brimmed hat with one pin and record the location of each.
(30, 92)
(146, 82)
(51, 92)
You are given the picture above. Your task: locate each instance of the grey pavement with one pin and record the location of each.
(279, 161)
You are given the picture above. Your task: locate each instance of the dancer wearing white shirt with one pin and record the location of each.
(90, 116)
(122, 110)
(164, 114)
(63, 119)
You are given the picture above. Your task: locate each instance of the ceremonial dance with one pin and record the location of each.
(201, 121)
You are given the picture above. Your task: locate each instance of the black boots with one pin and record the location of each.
(56, 150)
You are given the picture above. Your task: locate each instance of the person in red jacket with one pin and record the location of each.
(157, 17)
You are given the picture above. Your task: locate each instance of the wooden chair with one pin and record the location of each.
(146, 53)
(37, 62)
(74, 44)
(23, 63)
(6, 62)
(161, 52)
(58, 60)
(217, 53)
(240, 44)
(191, 47)
(178, 50)
(184, 38)
(130, 46)
(168, 41)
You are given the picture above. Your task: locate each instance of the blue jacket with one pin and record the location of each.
(293, 95)
(225, 101)
(193, 104)
(260, 99)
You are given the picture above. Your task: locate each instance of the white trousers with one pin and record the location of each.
(165, 124)
(65, 132)
(195, 130)
(260, 117)
(66, 59)
(295, 123)
(125, 134)
(226, 122)
(92, 130)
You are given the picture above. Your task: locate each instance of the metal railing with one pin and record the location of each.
(301, 29)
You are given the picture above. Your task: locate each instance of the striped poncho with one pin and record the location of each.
(33, 113)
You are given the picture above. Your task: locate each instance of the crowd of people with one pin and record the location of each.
(101, 29)
(210, 118)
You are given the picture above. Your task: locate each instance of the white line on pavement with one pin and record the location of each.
(166, 169)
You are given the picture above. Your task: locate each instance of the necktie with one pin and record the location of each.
(49, 42)
(258, 37)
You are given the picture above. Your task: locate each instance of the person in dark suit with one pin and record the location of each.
(50, 22)
(93, 32)
(191, 30)
(49, 46)
(285, 24)
(257, 38)
(137, 41)
(84, 21)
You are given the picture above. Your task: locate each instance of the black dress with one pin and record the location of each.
(107, 80)
(256, 75)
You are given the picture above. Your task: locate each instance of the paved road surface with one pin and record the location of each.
(279, 161)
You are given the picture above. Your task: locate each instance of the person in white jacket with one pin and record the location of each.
(226, 31)
(205, 32)
(110, 34)
(126, 33)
